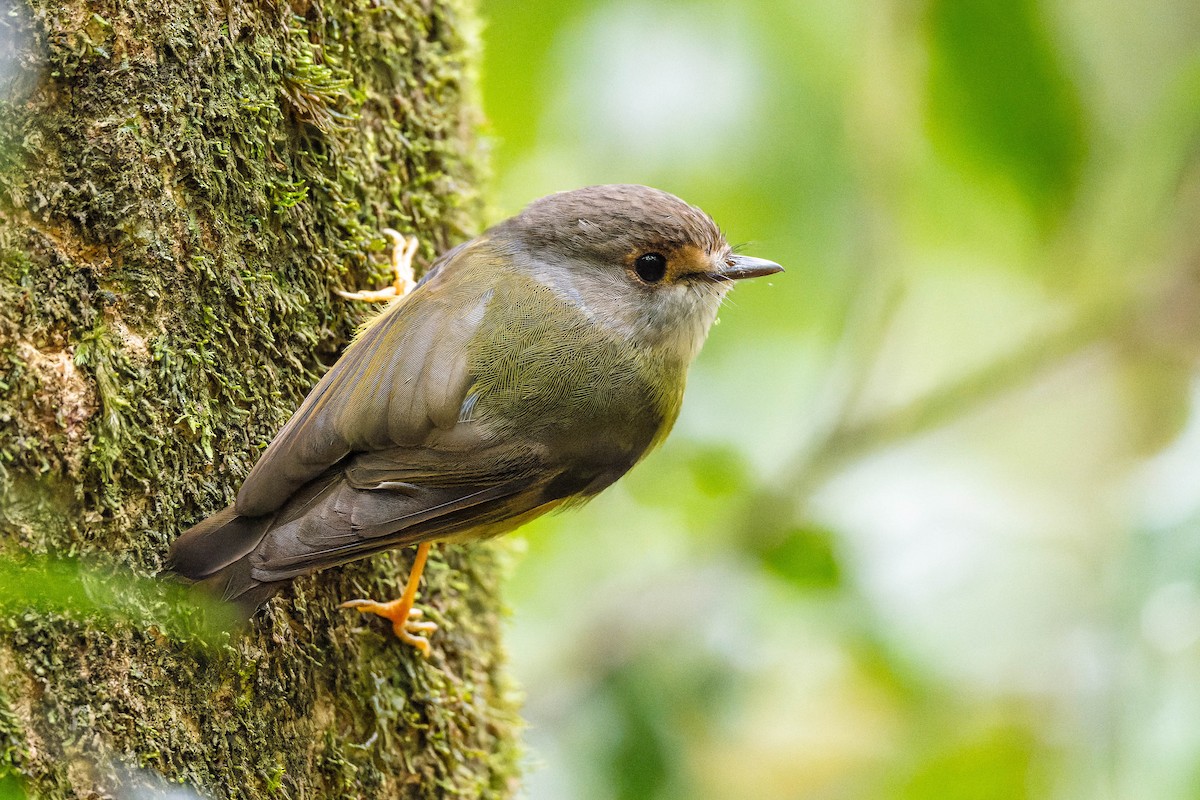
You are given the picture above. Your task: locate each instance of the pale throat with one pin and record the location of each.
(673, 320)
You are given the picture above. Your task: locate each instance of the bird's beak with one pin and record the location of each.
(736, 268)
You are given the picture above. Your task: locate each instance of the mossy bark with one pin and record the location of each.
(182, 185)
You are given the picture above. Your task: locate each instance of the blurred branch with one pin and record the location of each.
(848, 441)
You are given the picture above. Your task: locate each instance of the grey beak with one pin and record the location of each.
(740, 267)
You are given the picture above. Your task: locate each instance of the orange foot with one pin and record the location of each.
(406, 620)
(403, 250)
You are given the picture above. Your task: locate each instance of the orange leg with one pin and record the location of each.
(406, 620)
(403, 250)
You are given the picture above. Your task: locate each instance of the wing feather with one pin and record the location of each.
(348, 523)
(402, 379)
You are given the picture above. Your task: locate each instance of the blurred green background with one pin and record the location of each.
(929, 525)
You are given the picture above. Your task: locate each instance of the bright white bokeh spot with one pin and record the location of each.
(973, 575)
(657, 86)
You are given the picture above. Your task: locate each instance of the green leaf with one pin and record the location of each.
(11, 788)
(805, 558)
(109, 597)
(1000, 105)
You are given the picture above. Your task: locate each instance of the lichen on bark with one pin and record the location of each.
(182, 184)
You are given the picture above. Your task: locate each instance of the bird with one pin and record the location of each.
(528, 370)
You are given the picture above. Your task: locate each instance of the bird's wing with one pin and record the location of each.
(367, 508)
(400, 383)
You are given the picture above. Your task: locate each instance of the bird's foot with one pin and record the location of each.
(403, 250)
(406, 620)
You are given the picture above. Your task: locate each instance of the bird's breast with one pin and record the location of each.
(542, 369)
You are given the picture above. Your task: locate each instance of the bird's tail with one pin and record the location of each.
(216, 554)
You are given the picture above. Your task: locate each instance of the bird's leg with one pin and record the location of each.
(403, 250)
(406, 620)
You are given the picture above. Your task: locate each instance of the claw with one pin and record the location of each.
(403, 250)
(406, 622)
(370, 295)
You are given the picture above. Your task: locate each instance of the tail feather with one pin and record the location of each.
(216, 554)
(235, 584)
(209, 546)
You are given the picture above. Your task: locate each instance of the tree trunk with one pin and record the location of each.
(182, 185)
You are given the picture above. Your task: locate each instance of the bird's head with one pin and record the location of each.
(640, 262)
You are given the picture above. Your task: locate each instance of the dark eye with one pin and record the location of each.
(651, 267)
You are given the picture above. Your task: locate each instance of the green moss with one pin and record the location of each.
(12, 747)
(182, 185)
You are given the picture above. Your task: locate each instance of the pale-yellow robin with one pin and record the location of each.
(529, 369)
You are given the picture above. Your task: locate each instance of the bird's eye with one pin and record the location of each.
(651, 267)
